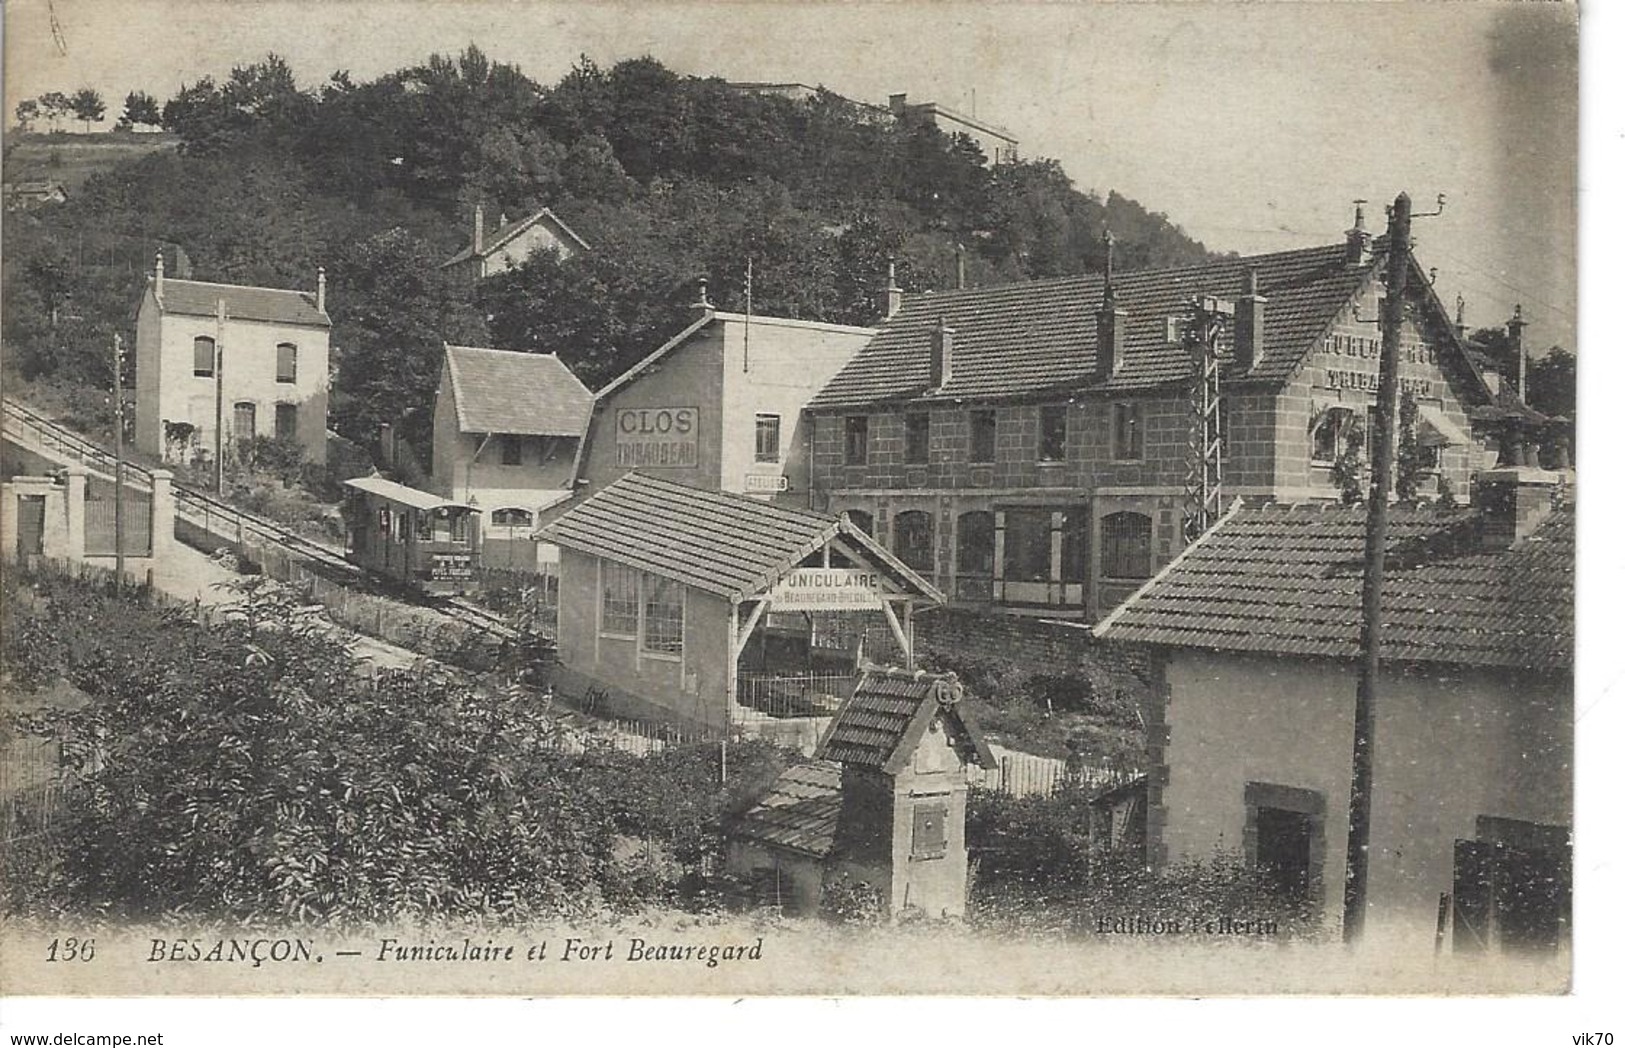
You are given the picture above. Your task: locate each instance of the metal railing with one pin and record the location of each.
(795, 694)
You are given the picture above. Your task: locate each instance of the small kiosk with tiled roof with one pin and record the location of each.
(663, 586)
(883, 803)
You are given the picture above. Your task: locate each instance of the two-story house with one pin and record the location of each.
(256, 355)
(506, 430)
(1026, 446)
(491, 251)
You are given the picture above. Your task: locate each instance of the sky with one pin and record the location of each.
(1252, 125)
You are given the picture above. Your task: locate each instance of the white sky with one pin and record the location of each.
(1251, 125)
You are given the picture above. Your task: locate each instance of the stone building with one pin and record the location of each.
(1255, 636)
(266, 361)
(1026, 446)
(489, 252)
(998, 144)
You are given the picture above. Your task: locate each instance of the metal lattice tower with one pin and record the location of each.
(1204, 458)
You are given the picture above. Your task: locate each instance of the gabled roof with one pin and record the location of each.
(1039, 336)
(502, 391)
(888, 714)
(1506, 406)
(730, 545)
(404, 495)
(1287, 581)
(495, 240)
(799, 811)
(197, 298)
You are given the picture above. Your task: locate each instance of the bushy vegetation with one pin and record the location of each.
(670, 178)
(248, 772)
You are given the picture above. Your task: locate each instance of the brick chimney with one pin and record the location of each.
(321, 289)
(942, 354)
(1357, 246)
(1515, 328)
(479, 228)
(1514, 501)
(158, 274)
(1250, 324)
(898, 103)
(1111, 325)
(894, 294)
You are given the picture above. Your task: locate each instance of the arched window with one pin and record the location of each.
(287, 362)
(203, 356)
(912, 540)
(865, 521)
(1125, 545)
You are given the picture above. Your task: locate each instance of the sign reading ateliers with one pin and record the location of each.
(826, 589)
(655, 437)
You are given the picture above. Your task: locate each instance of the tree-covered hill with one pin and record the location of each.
(670, 178)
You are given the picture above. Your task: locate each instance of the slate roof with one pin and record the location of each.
(1038, 336)
(197, 298)
(501, 391)
(494, 241)
(1287, 580)
(716, 541)
(888, 713)
(799, 811)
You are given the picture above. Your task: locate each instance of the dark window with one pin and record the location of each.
(203, 356)
(425, 525)
(1125, 546)
(287, 421)
(1283, 850)
(976, 544)
(1074, 545)
(1026, 545)
(1052, 433)
(930, 831)
(513, 450)
(511, 518)
(1127, 441)
(287, 362)
(984, 431)
(913, 540)
(917, 439)
(865, 521)
(767, 438)
(1336, 430)
(242, 420)
(857, 440)
(1512, 887)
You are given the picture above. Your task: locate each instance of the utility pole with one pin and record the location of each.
(118, 460)
(219, 397)
(1366, 699)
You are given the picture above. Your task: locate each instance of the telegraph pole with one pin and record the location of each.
(118, 459)
(219, 397)
(1376, 538)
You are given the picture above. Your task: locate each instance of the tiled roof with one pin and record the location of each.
(799, 811)
(494, 241)
(499, 391)
(1287, 581)
(195, 298)
(1037, 336)
(887, 715)
(716, 541)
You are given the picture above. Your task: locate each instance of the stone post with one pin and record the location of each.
(163, 515)
(75, 508)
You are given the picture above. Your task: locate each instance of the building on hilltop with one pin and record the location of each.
(1255, 632)
(1026, 446)
(266, 360)
(507, 426)
(997, 144)
(490, 252)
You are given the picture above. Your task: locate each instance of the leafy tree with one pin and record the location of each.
(87, 105)
(1408, 456)
(1552, 381)
(53, 106)
(141, 109)
(28, 111)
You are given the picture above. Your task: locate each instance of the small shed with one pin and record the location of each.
(882, 804)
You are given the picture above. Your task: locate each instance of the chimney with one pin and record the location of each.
(479, 228)
(1250, 324)
(704, 302)
(386, 445)
(1357, 250)
(1110, 325)
(942, 354)
(158, 274)
(1515, 328)
(1514, 501)
(894, 294)
(959, 266)
(321, 289)
(898, 102)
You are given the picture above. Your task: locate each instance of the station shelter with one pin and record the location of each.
(720, 612)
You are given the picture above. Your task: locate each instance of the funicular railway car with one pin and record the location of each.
(418, 539)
